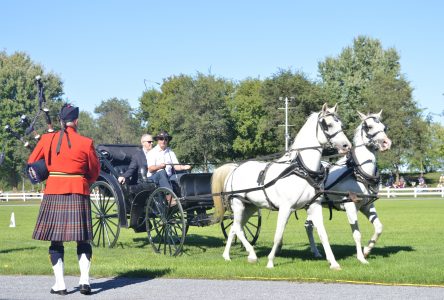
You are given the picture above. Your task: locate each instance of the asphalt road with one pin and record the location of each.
(37, 287)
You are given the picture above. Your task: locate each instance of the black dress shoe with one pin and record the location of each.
(85, 289)
(61, 292)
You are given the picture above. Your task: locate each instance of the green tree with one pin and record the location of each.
(117, 123)
(345, 78)
(367, 78)
(205, 131)
(247, 108)
(194, 110)
(431, 158)
(406, 128)
(306, 98)
(87, 126)
(18, 96)
(157, 107)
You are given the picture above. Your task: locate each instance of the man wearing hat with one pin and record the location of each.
(65, 211)
(161, 159)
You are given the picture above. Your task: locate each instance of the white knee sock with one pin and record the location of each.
(58, 273)
(84, 264)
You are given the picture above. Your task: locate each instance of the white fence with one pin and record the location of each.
(21, 196)
(415, 192)
(383, 192)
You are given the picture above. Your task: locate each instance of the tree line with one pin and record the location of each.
(216, 120)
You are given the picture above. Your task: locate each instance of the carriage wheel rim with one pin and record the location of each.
(165, 224)
(105, 223)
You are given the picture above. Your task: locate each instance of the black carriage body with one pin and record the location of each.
(196, 198)
(115, 160)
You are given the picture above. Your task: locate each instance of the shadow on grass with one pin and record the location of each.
(202, 242)
(16, 250)
(389, 250)
(340, 251)
(125, 279)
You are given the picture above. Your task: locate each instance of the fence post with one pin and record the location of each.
(415, 192)
(442, 192)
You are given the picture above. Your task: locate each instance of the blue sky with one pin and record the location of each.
(105, 49)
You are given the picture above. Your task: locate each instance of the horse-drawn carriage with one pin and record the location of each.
(141, 205)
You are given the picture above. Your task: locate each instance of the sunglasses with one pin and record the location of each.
(161, 139)
(149, 142)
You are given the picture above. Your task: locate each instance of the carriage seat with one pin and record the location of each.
(118, 154)
(196, 187)
(120, 157)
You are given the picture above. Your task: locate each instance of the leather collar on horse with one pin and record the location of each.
(371, 181)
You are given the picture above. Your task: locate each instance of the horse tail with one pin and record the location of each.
(217, 186)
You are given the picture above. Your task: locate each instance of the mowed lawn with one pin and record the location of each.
(410, 250)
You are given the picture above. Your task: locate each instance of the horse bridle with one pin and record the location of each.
(323, 124)
(365, 129)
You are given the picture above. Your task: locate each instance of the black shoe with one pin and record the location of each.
(61, 292)
(85, 289)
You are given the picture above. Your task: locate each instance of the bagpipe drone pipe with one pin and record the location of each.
(37, 171)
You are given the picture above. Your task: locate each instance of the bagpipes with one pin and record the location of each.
(37, 171)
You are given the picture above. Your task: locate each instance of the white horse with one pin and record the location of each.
(357, 173)
(280, 186)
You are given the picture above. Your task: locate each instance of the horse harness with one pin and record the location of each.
(297, 167)
(370, 181)
(353, 168)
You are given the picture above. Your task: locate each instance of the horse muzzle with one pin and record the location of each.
(385, 144)
(344, 148)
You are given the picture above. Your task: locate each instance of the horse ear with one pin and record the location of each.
(324, 108)
(362, 116)
(379, 114)
(335, 108)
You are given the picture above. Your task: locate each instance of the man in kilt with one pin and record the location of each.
(65, 212)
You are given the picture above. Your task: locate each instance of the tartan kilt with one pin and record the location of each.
(64, 217)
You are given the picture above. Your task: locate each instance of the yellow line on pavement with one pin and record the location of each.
(340, 281)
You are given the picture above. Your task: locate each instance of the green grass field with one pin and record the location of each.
(408, 252)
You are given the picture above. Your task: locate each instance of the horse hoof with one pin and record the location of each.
(227, 258)
(336, 268)
(364, 261)
(270, 265)
(366, 252)
(252, 260)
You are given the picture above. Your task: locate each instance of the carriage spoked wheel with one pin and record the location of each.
(105, 215)
(165, 222)
(251, 229)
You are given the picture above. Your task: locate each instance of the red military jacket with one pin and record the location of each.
(80, 159)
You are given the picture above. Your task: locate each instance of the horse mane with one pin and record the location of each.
(357, 134)
(312, 118)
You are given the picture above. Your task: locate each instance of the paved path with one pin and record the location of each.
(37, 287)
